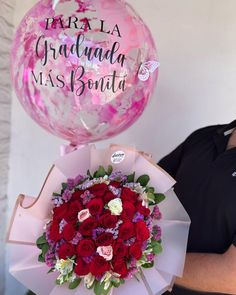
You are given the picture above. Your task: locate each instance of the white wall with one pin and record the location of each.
(196, 41)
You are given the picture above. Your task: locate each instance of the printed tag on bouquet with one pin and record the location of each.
(117, 157)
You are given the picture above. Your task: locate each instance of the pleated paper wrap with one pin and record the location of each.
(30, 216)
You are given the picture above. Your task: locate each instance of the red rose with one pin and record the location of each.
(120, 250)
(128, 210)
(95, 206)
(60, 212)
(105, 239)
(136, 251)
(126, 230)
(72, 213)
(143, 210)
(116, 184)
(54, 231)
(108, 221)
(66, 250)
(87, 226)
(69, 232)
(142, 232)
(128, 195)
(75, 207)
(99, 266)
(76, 195)
(81, 268)
(86, 248)
(108, 196)
(99, 190)
(120, 267)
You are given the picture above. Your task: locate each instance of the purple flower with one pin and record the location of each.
(79, 179)
(47, 233)
(138, 217)
(132, 272)
(130, 242)
(57, 201)
(87, 184)
(96, 232)
(150, 257)
(156, 214)
(113, 231)
(115, 191)
(62, 225)
(144, 246)
(156, 232)
(77, 238)
(149, 223)
(117, 176)
(86, 197)
(50, 258)
(88, 259)
(66, 196)
(70, 184)
(133, 262)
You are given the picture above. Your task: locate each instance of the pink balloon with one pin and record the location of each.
(84, 70)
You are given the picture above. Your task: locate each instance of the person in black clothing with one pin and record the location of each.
(204, 166)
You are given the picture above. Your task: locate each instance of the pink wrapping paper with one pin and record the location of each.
(30, 216)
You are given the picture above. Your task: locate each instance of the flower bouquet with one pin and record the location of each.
(106, 221)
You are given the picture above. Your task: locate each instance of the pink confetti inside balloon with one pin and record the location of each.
(79, 67)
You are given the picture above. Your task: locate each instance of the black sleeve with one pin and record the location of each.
(234, 241)
(171, 162)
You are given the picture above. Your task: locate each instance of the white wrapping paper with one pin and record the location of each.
(30, 216)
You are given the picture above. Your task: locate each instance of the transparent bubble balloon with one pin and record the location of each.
(84, 70)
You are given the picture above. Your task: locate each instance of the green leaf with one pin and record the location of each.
(101, 172)
(99, 288)
(45, 249)
(148, 265)
(156, 247)
(143, 180)
(74, 284)
(41, 258)
(64, 186)
(151, 190)
(56, 195)
(151, 198)
(131, 177)
(42, 240)
(109, 170)
(40, 246)
(58, 282)
(159, 198)
(116, 284)
(89, 174)
(51, 270)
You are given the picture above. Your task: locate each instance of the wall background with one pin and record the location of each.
(6, 33)
(196, 42)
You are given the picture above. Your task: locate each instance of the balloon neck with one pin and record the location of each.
(66, 149)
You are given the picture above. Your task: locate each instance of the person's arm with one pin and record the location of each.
(210, 272)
